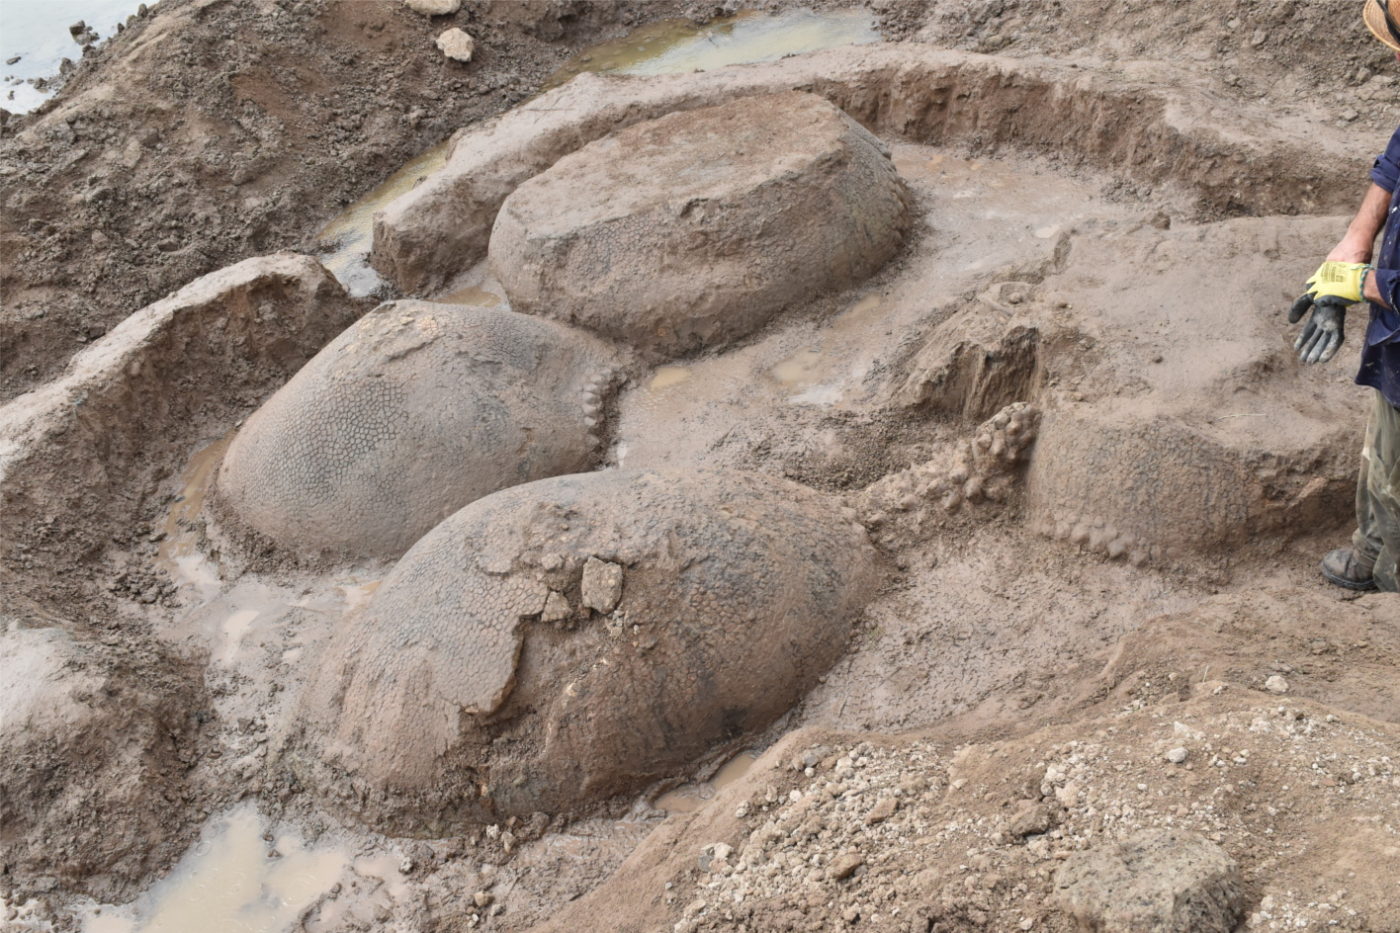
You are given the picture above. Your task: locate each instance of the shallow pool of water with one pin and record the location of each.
(347, 238)
(676, 46)
(691, 797)
(36, 32)
(232, 881)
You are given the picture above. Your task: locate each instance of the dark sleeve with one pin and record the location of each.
(1388, 283)
(1386, 171)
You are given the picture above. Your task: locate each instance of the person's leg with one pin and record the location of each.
(1353, 567)
(1366, 540)
(1383, 487)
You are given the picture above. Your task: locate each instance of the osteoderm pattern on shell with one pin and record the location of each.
(408, 415)
(479, 683)
(1204, 497)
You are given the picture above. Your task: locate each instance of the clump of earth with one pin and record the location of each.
(809, 494)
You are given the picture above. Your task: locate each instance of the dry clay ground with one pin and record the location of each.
(1061, 700)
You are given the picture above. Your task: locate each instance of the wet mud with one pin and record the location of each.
(816, 609)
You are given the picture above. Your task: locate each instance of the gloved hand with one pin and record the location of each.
(1324, 330)
(1333, 287)
(1334, 280)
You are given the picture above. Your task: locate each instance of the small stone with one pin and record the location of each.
(434, 7)
(602, 585)
(456, 45)
(719, 850)
(1259, 38)
(1276, 684)
(77, 29)
(844, 865)
(482, 898)
(556, 608)
(1033, 819)
(884, 809)
(1177, 755)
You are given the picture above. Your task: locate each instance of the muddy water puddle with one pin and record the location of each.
(234, 880)
(677, 46)
(818, 373)
(347, 238)
(691, 797)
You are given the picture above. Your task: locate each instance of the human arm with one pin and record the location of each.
(1347, 276)
(1358, 243)
(1382, 285)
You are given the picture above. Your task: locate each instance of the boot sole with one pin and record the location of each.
(1359, 586)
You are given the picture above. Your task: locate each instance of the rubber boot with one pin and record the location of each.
(1347, 568)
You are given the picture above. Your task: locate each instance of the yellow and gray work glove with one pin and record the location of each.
(1331, 289)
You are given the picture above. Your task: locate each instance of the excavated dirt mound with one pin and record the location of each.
(94, 750)
(1157, 131)
(82, 458)
(1275, 806)
(407, 416)
(689, 231)
(570, 639)
(1090, 480)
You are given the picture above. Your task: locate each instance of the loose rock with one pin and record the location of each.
(1158, 881)
(456, 45)
(844, 865)
(434, 7)
(883, 810)
(602, 585)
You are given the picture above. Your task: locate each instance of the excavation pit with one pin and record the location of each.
(1055, 216)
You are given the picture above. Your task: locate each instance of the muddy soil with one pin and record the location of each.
(152, 167)
(1111, 627)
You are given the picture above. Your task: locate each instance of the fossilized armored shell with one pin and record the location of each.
(576, 637)
(694, 229)
(1140, 491)
(408, 415)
